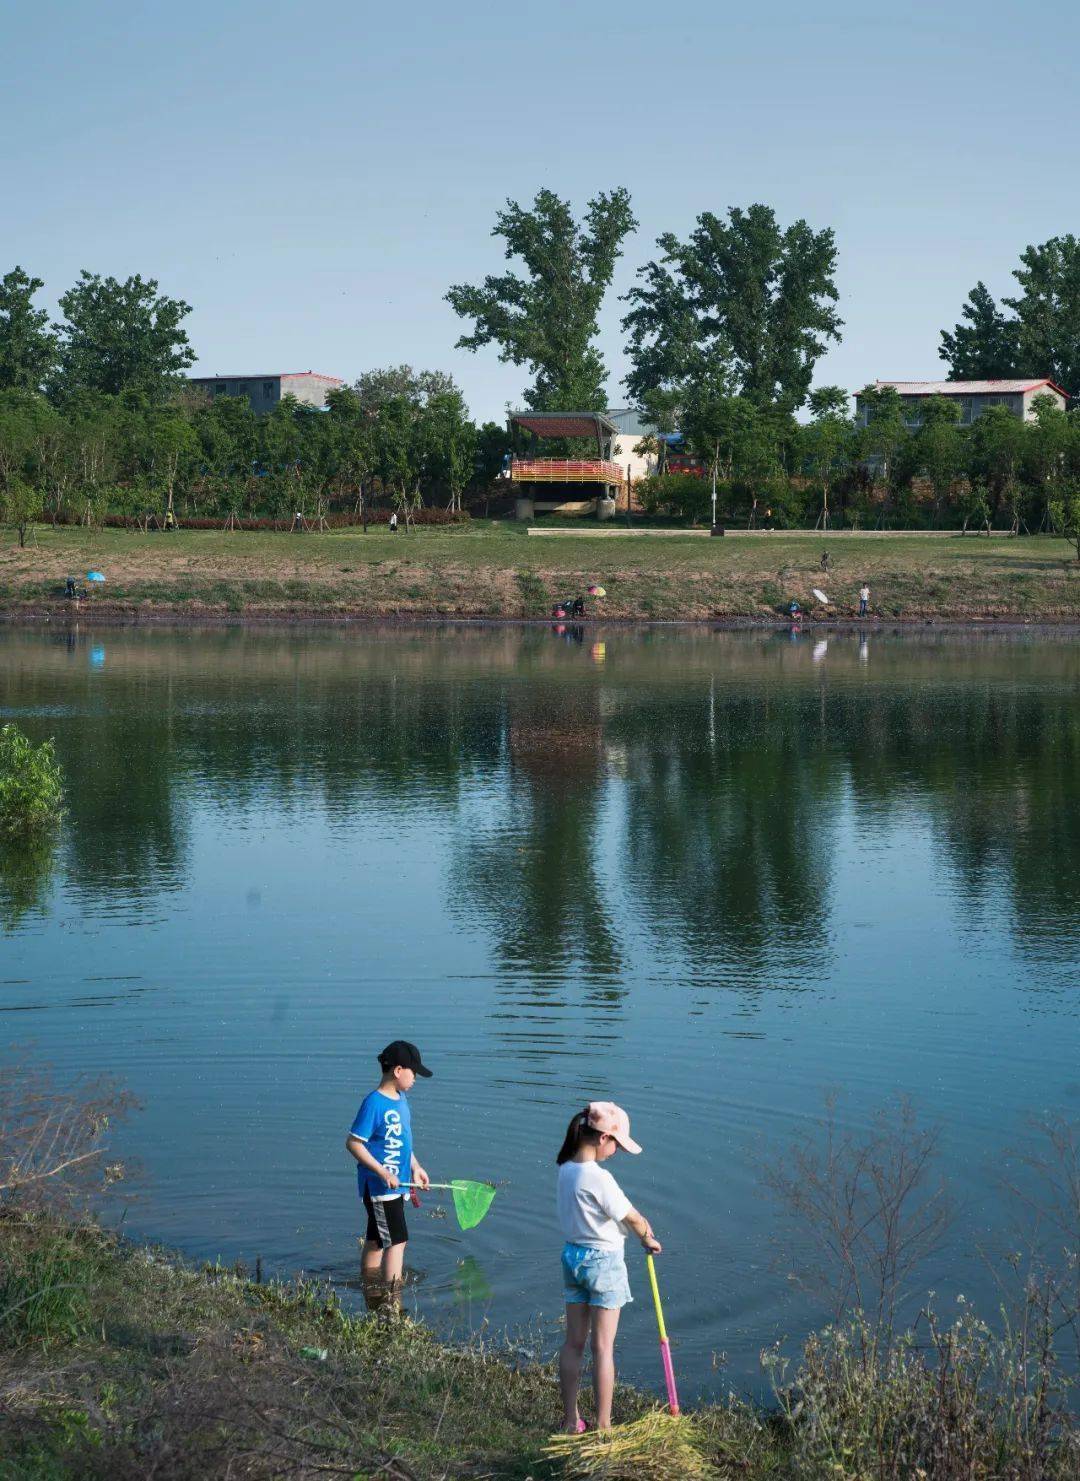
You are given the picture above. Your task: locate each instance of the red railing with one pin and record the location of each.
(565, 470)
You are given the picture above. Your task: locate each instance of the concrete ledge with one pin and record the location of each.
(594, 530)
(731, 534)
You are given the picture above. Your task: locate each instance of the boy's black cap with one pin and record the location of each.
(402, 1053)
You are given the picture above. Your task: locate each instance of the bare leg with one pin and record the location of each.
(393, 1265)
(604, 1326)
(371, 1276)
(570, 1360)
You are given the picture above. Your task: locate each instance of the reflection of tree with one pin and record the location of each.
(122, 832)
(728, 828)
(25, 878)
(1005, 802)
(534, 880)
(728, 808)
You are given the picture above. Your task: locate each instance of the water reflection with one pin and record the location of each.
(708, 773)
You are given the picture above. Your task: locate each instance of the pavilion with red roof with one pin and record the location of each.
(580, 485)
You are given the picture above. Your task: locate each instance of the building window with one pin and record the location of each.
(268, 390)
(220, 389)
(241, 388)
(967, 414)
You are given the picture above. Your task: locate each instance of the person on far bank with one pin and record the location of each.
(393, 522)
(594, 1213)
(864, 599)
(381, 1141)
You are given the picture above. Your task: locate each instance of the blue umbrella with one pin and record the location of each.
(94, 576)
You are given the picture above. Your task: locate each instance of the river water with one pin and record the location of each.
(713, 876)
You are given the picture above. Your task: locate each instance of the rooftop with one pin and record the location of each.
(965, 388)
(258, 375)
(564, 423)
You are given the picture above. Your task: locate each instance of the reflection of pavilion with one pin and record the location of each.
(566, 484)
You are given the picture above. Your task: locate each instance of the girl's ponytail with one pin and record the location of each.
(577, 1132)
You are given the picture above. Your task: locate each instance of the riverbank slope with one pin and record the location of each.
(120, 1362)
(493, 570)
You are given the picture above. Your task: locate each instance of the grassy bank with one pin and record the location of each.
(117, 1362)
(494, 570)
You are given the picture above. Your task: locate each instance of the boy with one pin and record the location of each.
(381, 1142)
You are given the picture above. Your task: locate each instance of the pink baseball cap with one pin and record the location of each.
(606, 1116)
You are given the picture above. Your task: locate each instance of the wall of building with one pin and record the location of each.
(632, 428)
(1031, 396)
(263, 392)
(310, 389)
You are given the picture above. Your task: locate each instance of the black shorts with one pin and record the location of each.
(385, 1220)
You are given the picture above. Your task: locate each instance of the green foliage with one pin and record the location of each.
(742, 301)
(45, 1292)
(121, 336)
(1042, 335)
(936, 451)
(20, 505)
(680, 495)
(27, 344)
(1047, 311)
(826, 448)
(31, 786)
(1065, 511)
(984, 347)
(547, 319)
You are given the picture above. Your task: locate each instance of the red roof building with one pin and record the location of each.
(974, 397)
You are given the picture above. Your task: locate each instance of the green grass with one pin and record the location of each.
(496, 569)
(156, 1368)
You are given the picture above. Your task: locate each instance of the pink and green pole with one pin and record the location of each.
(665, 1345)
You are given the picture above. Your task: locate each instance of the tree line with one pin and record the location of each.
(725, 329)
(97, 422)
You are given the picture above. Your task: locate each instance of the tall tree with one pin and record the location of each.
(883, 437)
(826, 444)
(121, 336)
(996, 445)
(27, 344)
(984, 346)
(1048, 443)
(937, 450)
(450, 440)
(1042, 336)
(743, 297)
(1048, 311)
(375, 387)
(547, 319)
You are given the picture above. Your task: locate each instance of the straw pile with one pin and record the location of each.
(657, 1447)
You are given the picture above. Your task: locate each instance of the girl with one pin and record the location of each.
(592, 1210)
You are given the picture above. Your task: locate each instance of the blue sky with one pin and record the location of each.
(311, 178)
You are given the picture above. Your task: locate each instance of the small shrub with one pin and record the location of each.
(680, 495)
(45, 1290)
(31, 786)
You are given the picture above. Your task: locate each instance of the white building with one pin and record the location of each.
(264, 391)
(632, 427)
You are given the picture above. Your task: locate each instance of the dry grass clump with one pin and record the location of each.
(656, 1447)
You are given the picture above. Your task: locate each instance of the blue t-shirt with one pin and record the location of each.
(386, 1126)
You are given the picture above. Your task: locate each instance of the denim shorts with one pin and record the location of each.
(594, 1277)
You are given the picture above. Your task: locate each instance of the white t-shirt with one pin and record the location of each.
(591, 1206)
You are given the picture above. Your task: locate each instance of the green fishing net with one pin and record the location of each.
(471, 1201)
